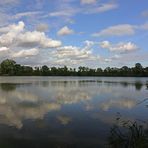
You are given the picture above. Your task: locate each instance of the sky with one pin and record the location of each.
(92, 33)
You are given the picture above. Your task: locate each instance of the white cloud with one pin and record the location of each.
(67, 10)
(16, 35)
(73, 55)
(65, 31)
(121, 30)
(89, 43)
(119, 47)
(17, 42)
(26, 14)
(16, 28)
(4, 52)
(122, 103)
(70, 52)
(102, 8)
(117, 30)
(36, 38)
(105, 44)
(114, 57)
(26, 53)
(10, 33)
(108, 60)
(2, 49)
(88, 1)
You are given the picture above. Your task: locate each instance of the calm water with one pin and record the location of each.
(73, 112)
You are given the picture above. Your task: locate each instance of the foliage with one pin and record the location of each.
(10, 67)
(128, 134)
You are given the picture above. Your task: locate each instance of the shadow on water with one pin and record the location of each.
(12, 86)
(41, 143)
(147, 85)
(138, 85)
(8, 86)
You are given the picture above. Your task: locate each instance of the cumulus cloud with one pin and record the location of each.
(71, 51)
(26, 53)
(15, 28)
(10, 33)
(16, 35)
(114, 57)
(36, 38)
(89, 43)
(65, 31)
(119, 47)
(3, 49)
(17, 42)
(4, 52)
(108, 60)
(22, 43)
(73, 55)
(117, 30)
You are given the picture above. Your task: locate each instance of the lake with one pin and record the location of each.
(67, 112)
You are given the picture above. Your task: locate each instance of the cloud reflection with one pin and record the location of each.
(35, 101)
(118, 103)
(64, 120)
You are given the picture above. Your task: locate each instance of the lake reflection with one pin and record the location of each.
(67, 111)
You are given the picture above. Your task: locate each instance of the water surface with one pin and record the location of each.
(72, 112)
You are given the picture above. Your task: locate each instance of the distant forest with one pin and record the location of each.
(9, 67)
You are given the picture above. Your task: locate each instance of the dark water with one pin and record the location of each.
(67, 112)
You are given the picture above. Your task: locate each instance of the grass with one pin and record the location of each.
(128, 134)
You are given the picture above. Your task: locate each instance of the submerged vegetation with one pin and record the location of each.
(11, 68)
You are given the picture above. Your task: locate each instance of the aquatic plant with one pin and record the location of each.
(128, 134)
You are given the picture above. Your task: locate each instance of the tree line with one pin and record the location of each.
(9, 67)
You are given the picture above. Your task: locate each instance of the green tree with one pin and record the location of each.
(37, 71)
(45, 70)
(27, 70)
(8, 67)
(138, 69)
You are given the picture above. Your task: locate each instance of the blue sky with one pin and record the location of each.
(94, 33)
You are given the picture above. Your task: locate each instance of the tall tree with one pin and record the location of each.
(45, 70)
(8, 67)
